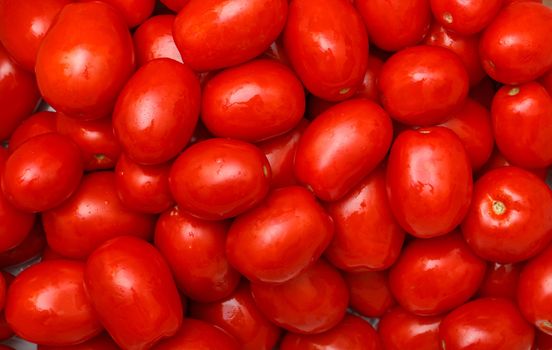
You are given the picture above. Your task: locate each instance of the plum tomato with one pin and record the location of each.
(37, 124)
(465, 17)
(501, 281)
(369, 292)
(101, 342)
(133, 12)
(154, 39)
(15, 224)
(32, 246)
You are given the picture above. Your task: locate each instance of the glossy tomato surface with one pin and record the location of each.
(133, 12)
(465, 17)
(369, 86)
(369, 292)
(198, 335)
(501, 281)
(154, 39)
(37, 124)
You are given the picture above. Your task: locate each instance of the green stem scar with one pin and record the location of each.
(513, 91)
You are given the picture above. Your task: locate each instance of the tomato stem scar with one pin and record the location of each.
(344, 91)
(499, 207)
(447, 17)
(513, 91)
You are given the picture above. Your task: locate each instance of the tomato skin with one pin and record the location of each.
(18, 94)
(510, 218)
(353, 333)
(75, 233)
(543, 341)
(472, 124)
(42, 173)
(47, 304)
(234, 37)
(101, 342)
(253, 102)
(486, 323)
(522, 124)
(15, 224)
(174, 5)
(240, 317)
(366, 237)
(143, 188)
(429, 201)
(133, 12)
(434, 79)
(369, 86)
(369, 292)
(394, 25)
(465, 17)
(435, 275)
(154, 39)
(497, 160)
(314, 301)
(31, 246)
(195, 252)
(281, 237)
(334, 154)
(157, 111)
(84, 60)
(133, 292)
(546, 81)
(515, 48)
(37, 124)
(398, 330)
(501, 281)
(24, 25)
(329, 54)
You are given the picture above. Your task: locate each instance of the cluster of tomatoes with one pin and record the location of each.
(262, 174)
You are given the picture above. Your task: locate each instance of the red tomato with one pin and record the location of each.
(101, 342)
(42, 173)
(510, 218)
(546, 81)
(174, 5)
(230, 177)
(18, 94)
(486, 323)
(281, 237)
(234, 31)
(543, 341)
(198, 335)
(516, 47)
(253, 102)
(85, 60)
(395, 24)
(423, 85)
(15, 225)
(312, 302)
(429, 181)
(157, 111)
(24, 24)
(522, 123)
(466, 47)
(369, 292)
(484, 92)
(327, 45)
(435, 275)
(367, 237)
(143, 188)
(239, 316)
(280, 152)
(465, 17)
(369, 86)
(48, 304)
(195, 251)
(353, 333)
(5, 330)
(472, 124)
(497, 160)
(93, 215)
(400, 330)
(342, 146)
(31, 246)
(37, 124)
(154, 39)
(134, 12)
(133, 292)
(501, 281)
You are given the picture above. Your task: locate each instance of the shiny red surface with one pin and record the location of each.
(154, 39)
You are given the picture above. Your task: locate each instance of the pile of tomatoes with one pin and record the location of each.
(274, 174)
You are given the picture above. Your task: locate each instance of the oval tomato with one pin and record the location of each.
(133, 12)
(198, 335)
(501, 281)
(31, 246)
(101, 342)
(465, 17)
(15, 224)
(37, 124)
(154, 39)
(369, 292)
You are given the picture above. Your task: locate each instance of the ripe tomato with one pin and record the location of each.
(353, 333)
(342, 146)
(510, 218)
(84, 60)
(435, 275)
(486, 323)
(48, 304)
(367, 237)
(101, 342)
(133, 12)
(31, 246)
(394, 25)
(157, 111)
(369, 86)
(235, 31)
(465, 17)
(501, 281)
(497, 160)
(240, 317)
(133, 292)
(281, 237)
(330, 53)
(369, 292)
(23, 26)
(154, 39)
(253, 102)
(399, 330)
(42, 173)
(37, 124)
(516, 47)
(312, 302)
(429, 181)
(15, 224)
(174, 5)
(434, 79)
(93, 215)
(198, 335)
(522, 123)
(195, 251)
